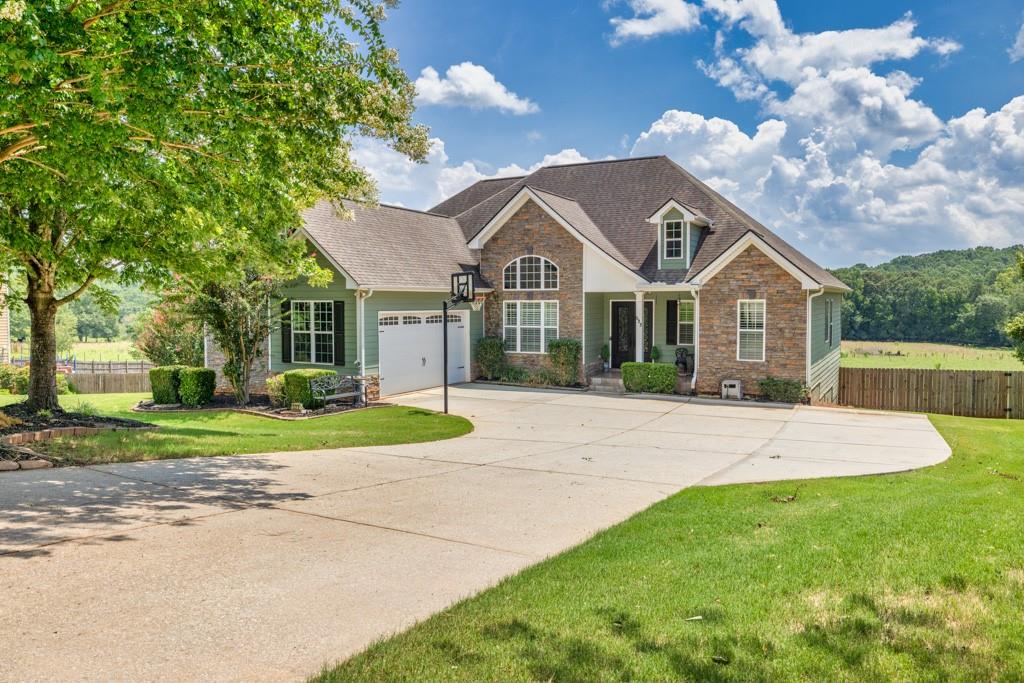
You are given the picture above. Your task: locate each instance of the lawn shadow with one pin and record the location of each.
(104, 504)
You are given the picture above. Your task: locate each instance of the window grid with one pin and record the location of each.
(686, 324)
(750, 325)
(312, 325)
(828, 327)
(530, 325)
(673, 239)
(531, 273)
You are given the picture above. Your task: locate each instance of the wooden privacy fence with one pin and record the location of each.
(110, 383)
(971, 393)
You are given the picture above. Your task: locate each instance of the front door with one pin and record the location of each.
(623, 345)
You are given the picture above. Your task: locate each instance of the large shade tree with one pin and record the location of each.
(144, 137)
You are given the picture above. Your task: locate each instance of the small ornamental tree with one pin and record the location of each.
(139, 138)
(1015, 328)
(167, 336)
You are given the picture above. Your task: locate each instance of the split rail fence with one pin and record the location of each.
(970, 393)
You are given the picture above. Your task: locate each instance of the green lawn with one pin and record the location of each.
(861, 354)
(183, 435)
(916, 576)
(121, 350)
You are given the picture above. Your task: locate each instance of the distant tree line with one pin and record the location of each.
(962, 297)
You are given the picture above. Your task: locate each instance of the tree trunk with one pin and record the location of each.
(42, 385)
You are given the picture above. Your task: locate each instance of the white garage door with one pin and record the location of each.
(411, 350)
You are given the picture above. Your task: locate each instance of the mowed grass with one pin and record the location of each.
(915, 576)
(860, 354)
(121, 350)
(223, 432)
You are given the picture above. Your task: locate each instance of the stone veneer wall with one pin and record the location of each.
(215, 361)
(752, 275)
(532, 232)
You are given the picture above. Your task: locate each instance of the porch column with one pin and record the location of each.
(639, 345)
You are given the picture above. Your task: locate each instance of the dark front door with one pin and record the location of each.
(624, 331)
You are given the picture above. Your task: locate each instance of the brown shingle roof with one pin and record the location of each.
(473, 195)
(389, 246)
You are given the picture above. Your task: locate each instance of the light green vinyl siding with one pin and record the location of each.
(825, 357)
(694, 239)
(660, 299)
(595, 311)
(411, 301)
(668, 263)
(336, 291)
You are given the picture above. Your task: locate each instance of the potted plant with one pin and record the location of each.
(655, 354)
(606, 354)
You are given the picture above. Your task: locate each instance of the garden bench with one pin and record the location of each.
(335, 387)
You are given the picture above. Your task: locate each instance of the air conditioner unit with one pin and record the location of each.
(732, 388)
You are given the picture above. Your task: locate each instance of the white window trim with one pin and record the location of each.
(681, 239)
(542, 288)
(829, 331)
(692, 324)
(312, 333)
(764, 331)
(518, 327)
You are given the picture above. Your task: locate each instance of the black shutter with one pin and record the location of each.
(286, 331)
(339, 332)
(672, 322)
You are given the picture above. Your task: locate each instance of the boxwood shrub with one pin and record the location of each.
(783, 390)
(490, 355)
(165, 381)
(296, 386)
(650, 378)
(196, 385)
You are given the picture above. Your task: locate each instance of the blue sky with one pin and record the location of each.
(857, 133)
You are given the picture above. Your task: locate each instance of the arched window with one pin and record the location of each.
(531, 272)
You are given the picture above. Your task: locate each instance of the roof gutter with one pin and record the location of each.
(361, 296)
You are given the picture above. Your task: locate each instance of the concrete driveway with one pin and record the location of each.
(267, 567)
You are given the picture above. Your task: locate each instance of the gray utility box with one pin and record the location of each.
(732, 388)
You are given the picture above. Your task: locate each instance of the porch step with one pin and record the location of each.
(608, 385)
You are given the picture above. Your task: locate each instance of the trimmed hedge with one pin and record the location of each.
(275, 391)
(649, 378)
(783, 390)
(165, 382)
(296, 386)
(490, 356)
(196, 385)
(564, 356)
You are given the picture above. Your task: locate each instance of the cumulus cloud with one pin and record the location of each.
(653, 18)
(469, 85)
(1016, 50)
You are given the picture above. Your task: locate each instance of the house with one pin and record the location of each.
(635, 254)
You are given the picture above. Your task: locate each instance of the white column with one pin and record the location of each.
(639, 327)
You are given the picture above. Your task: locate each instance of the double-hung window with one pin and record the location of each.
(750, 324)
(685, 323)
(530, 325)
(673, 239)
(313, 332)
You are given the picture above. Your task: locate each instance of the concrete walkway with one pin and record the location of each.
(267, 567)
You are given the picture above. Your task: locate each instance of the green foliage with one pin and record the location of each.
(19, 382)
(783, 390)
(67, 331)
(7, 373)
(655, 354)
(275, 391)
(606, 352)
(514, 374)
(564, 356)
(165, 382)
(651, 378)
(1015, 331)
(297, 389)
(962, 297)
(490, 355)
(87, 409)
(167, 336)
(196, 385)
(96, 317)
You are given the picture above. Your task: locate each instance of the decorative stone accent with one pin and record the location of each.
(34, 464)
(751, 275)
(215, 361)
(531, 231)
(8, 465)
(372, 384)
(60, 432)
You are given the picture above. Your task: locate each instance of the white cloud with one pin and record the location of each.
(1016, 51)
(653, 18)
(566, 156)
(469, 85)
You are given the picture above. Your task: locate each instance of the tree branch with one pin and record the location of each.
(77, 293)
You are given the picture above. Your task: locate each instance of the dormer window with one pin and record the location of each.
(531, 272)
(673, 239)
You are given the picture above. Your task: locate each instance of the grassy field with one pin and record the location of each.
(92, 350)
(916, 576)
(183, 435)
(858, 354)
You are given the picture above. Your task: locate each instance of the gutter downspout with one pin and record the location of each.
(361, 296)
(696, 340)
(807, 324)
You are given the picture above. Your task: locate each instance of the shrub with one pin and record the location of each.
(63, 385)
(165, 381)
(544, 377)
(564, 356)
(296, 386)
(514, 375)
(655, 354)
(19, 381)
(783, 390)
(196, 385)
(606, 353)
(87, 409)
(7, 373)
(275, 391)
(652, 378)
(490, 355)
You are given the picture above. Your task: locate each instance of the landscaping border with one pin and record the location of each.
(258, 413)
